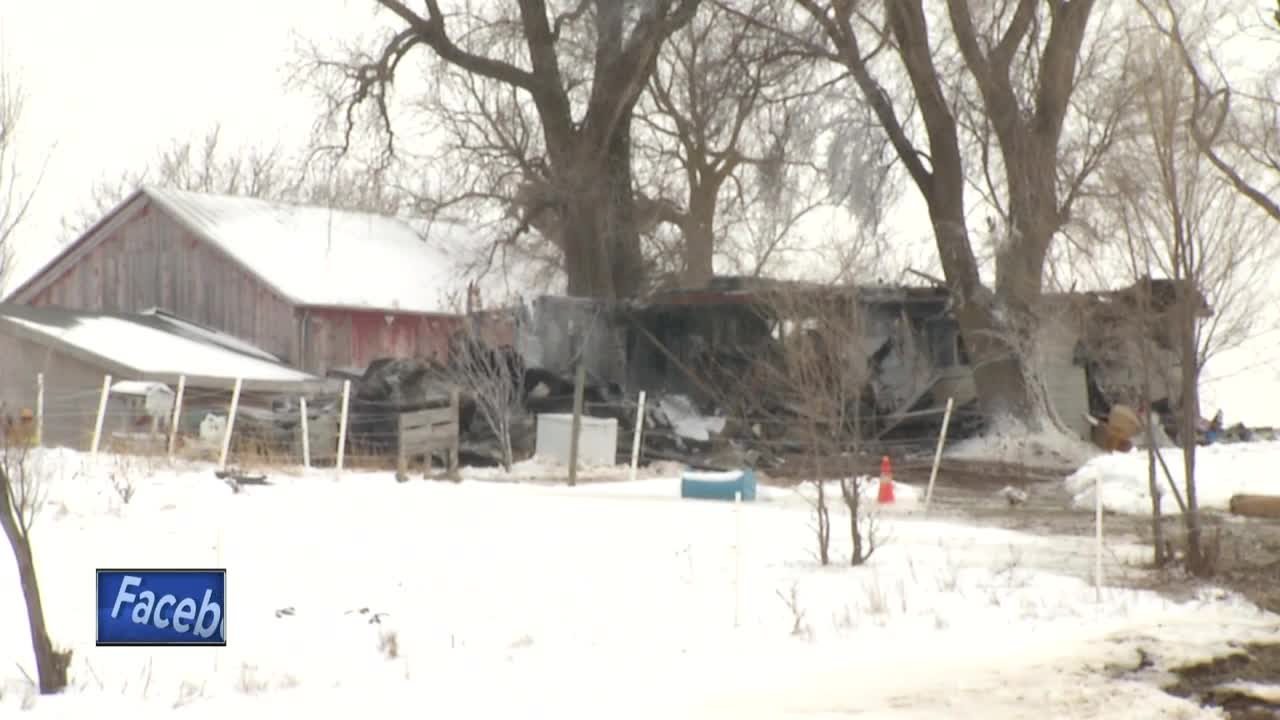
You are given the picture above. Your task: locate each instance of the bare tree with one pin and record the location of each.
(493, 378)
(582, 114)
(22, 494)
(1186, 222)
(185, 165)
(731, 117)
(1019, 63)
(1232, 124)
(15, 194)
(265, 172)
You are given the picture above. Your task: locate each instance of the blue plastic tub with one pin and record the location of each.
(718, 485)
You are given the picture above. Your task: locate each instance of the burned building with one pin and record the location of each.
(1127, 341)
(708, 344)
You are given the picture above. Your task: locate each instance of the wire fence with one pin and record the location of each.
(199, 423)
(274, 428)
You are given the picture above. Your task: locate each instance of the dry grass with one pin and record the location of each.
(389, 644)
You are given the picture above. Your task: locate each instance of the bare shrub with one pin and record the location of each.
(864, 527)
(389, 644)
(843, 619)
(823, 525)
(877, 597)
(492, 375)
(792, 601)
(949, 580)
(123, 478)
(249, 682)
(816, 372)
(188, 692)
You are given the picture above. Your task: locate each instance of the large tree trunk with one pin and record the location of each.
(992, 333)
(1028, 135)
(599, 236)
(1004, 377)
(699, 237)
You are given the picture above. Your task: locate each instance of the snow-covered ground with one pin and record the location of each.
(613, 599)
(1222, 470)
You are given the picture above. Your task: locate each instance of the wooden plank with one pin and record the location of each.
(431, 416)
(425, 432)
(430, 429)
(1262, 506)
(428, 436)
(905, 412)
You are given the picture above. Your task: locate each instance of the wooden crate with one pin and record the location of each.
(425, 433)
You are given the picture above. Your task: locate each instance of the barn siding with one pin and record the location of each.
(354, 338)
(150, 260)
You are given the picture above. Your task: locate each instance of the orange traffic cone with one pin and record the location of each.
(886, 480)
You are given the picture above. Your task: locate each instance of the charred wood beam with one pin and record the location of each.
(667, 353)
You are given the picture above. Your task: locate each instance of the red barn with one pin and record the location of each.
(318, 288)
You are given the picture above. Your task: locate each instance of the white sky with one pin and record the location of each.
(109, 83)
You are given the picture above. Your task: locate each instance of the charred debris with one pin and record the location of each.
(742, 371)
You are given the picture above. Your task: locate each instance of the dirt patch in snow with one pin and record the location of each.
(1249, 548)
(1225, 683)
(1248, 558)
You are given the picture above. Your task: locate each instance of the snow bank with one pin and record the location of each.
(1011, 442)
(1265, 693)
(1221, 471)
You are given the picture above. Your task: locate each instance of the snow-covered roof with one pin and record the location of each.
(317, 256)
(320, 257)
(195, 331)
(145, 348)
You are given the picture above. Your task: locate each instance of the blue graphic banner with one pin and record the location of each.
(162, 607)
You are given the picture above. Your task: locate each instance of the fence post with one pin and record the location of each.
(39, 409)
(177, 415)
(1097, 521)
(342, 423)
(102, 415)
(402, 453)
(231, 424)
(455, 405)
(635, 442)
(737, 558)
(306, 434)
(579, 386)
(937, 455)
